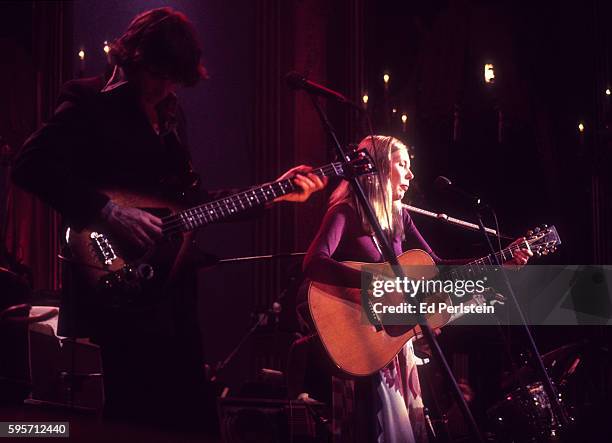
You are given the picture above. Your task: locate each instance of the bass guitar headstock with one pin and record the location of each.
(359, 163)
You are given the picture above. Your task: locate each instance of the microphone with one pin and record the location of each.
(445, 185)
(297, 81)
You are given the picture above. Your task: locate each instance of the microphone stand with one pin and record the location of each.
(536, 358)
(389, 256)
(454, 221)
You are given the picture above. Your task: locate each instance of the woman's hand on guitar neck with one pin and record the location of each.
(132, 224)
(520, 256)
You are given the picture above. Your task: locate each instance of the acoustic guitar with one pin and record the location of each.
(360, 347)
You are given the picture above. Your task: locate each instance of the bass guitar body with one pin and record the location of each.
(121, 274)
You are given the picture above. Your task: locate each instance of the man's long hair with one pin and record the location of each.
(162, 41)
(377, 188)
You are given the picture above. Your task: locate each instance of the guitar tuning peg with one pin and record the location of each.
(545, 252)
(544, 226)
(536, 230)
(529, 233)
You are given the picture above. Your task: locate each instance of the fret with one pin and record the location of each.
(254, 196)
(197, 218)
(228, 206)
(266, 193)
(220, 208)
(202, 215)
(289, 184)
(184, 225)
(225, 208)
(190, 219)
(279, 188)
(213, 213)
(497, 258)
(185, 221)
(272, 190)
(244, 199)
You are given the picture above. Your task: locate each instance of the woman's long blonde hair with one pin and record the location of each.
(377, 188)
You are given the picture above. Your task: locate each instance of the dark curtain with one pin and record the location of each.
(30, 85)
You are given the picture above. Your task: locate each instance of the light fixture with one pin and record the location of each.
(489, 73)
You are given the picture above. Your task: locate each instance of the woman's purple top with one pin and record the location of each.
(342, 238)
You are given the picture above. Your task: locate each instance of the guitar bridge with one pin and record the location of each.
(103, 248)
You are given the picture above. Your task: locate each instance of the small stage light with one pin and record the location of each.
(489, 73)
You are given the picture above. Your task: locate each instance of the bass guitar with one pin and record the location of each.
(121, 275)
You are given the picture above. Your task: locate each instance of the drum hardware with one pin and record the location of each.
(526, 415)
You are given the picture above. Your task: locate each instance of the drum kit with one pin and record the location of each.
(582, 373)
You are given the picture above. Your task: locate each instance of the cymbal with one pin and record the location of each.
(560, 362)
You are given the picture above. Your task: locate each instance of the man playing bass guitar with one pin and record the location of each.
(127, 134)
